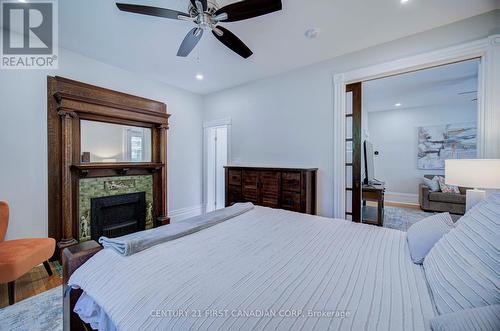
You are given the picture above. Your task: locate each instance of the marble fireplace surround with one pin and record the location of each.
(109, 186)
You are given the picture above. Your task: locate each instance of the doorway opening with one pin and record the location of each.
(398, 132)
(216, 145)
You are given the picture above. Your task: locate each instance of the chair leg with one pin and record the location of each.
(47, 267)
(12, 292)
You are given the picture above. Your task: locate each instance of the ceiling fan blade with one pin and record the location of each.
(190, 41)
(151, 11)
(232, 42)
(203, 3)
(248, 8)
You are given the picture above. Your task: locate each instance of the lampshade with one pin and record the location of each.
(477, 173)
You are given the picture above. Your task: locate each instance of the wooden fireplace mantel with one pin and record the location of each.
(69, 102)
(89, 170)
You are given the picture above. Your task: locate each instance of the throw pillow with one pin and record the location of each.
(424, 234)
(447, 188)
(462, 268)
(485, 318)
(432, 184)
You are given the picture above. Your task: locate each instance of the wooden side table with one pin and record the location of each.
(373, 215)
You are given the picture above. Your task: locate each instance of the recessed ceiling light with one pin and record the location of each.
(199, 77)
(312, 33)
(404, 1)
(397, 104)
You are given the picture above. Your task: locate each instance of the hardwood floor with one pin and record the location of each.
(402, 205)
(395, 204)
(34, 282)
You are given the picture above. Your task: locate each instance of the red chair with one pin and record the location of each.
(19, 256)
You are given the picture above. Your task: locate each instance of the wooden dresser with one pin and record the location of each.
(284, 188)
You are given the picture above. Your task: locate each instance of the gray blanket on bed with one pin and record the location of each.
(139, 241)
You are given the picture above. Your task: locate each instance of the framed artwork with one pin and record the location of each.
(441, 142)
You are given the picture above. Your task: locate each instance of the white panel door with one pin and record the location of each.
(211, 153)
(216, 141)
(220, 162)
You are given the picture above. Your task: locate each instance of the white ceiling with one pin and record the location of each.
(97, 29)
(442, 85)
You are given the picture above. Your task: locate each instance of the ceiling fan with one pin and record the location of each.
(206, 16)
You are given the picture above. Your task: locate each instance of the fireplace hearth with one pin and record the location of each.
(118, 215)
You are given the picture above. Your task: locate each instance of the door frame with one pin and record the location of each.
(356, 90)
(487, 50)
(223, 122)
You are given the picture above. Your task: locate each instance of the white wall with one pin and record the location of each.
(23, 136)
(288, 119)
(394, 134)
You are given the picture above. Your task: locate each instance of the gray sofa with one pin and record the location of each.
(453, 203)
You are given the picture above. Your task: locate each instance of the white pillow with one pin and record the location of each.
(432, 184)
(485, 318)
(463, 268)
(422, 235)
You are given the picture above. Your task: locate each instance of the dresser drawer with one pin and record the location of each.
(290, 201)
(234, 177)
(233, 194)
(286, 188)
(291, 181)
(270, 189)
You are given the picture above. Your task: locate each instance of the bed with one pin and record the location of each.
(266, 269)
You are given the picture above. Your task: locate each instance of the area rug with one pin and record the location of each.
(402, 218)
(40, 312)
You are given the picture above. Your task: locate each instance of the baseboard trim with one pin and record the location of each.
(403, 198)
(184, 213)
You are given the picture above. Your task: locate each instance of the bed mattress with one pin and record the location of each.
(267, 269)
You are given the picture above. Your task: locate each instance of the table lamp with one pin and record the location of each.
(477, 174)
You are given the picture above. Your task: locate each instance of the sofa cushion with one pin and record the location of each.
(462, 268)
(447, 197)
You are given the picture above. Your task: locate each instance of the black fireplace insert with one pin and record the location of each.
(117, 215)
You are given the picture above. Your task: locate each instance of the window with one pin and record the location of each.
(135, 145)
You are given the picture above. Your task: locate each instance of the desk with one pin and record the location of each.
(373, 215)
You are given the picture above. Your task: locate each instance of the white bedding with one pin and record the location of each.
(265, 262)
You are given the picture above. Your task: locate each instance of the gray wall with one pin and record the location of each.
(394, 134)
(288, 119)
(23, 136)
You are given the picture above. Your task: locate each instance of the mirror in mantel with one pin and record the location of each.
(108, 143)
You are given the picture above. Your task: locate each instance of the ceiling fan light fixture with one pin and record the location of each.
(218, 32)
(206, 15)
(199, 77)
(221, 17)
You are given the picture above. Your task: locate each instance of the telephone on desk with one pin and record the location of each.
(374, 191)
(374, 183)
